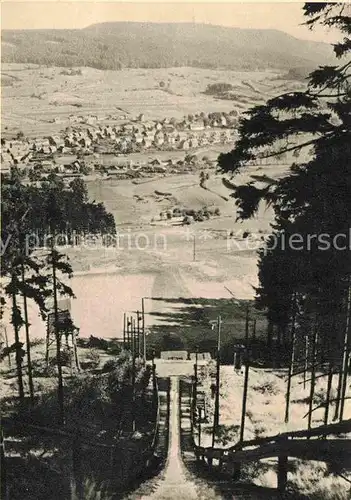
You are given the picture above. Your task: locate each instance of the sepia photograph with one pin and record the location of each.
(175, 308)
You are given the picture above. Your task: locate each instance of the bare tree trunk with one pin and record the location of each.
(60, 395)
(26, 325)
(329, 386)
(292, 358)
(18, 349)
(343, 361)
(306, 360)
(346, 356)
(313, 372)
(7, 346)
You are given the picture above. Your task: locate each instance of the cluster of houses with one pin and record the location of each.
(138, 135)
(189, 133)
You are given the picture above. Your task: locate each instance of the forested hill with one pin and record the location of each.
(156, 45)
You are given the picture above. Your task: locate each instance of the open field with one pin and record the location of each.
(156, 259)
(33, 96)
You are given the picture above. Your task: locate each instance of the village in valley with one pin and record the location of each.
(79, 150)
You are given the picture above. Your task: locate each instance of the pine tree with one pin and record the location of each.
(311, 201)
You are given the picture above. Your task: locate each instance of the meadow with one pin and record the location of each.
(33, 96)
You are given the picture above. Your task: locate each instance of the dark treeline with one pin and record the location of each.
(74, 214)
(305, 269)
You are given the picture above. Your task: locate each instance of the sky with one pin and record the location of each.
(57, 14)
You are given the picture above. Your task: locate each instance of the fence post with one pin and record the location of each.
(282, 468)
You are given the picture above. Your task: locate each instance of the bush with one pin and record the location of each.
(187, 221)
(97, 343)
(217, 211)
(114, 347)
(93, 358)
(109, 366)
(66, 358)
(218, 88)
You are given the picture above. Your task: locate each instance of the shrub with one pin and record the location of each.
(66, 358)
(109, 366)
(93, 358)
(217, 211)
(218, 88)
(97, 343)
(187, 221)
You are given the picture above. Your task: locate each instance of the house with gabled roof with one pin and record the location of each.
(184, 145)
(197, 126)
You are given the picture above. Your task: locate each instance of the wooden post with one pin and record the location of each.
(194, 249)
(282, 469)
(292, 359)
(199, 422)
(195, 382)
(218, 367)
(246, 379)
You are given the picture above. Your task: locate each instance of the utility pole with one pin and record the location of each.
(200, 416)
(194, 248)
(195, 382)
(246, 379)
(133, 374)
(124, 330)
(216, 410)
(129, 328)
(138, 335)
(143, 327)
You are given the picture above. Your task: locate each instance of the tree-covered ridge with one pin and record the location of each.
(156, 45)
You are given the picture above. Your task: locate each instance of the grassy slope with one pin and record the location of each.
(37, 95)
